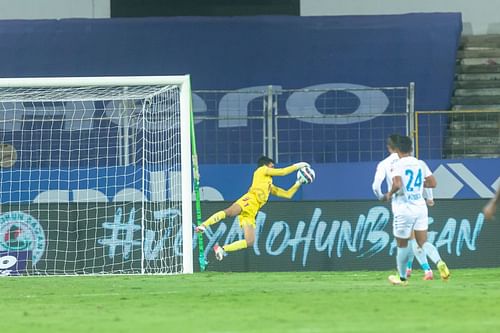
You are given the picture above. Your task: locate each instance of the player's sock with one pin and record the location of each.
(402, 259)
(220, 215)
(411, 255)
(421, 256)
(235, 246)
(432, 252)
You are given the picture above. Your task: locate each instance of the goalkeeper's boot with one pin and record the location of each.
(443, 270)
(428, 275)
(200, 229)
(396, 280)
(219, 252)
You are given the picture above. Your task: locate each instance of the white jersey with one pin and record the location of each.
(384, 172)
(413, 173)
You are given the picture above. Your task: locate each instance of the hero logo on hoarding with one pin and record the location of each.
(232, 108)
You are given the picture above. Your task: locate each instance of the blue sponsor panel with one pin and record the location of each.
(459, 179)
(100, 184)
(240, 53)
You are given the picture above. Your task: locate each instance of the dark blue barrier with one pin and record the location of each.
(240, 52)
(236, 52)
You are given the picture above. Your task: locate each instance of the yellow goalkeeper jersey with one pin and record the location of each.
(262, 183)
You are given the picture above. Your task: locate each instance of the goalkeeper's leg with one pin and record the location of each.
(231, 211)
(249, 230)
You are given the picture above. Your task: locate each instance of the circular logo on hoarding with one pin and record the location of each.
(22, 232)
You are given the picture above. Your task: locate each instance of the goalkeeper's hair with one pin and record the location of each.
(264, 160)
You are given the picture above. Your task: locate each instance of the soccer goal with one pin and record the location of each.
(95, 175)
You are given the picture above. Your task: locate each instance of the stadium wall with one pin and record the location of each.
(241, 53)
(53, 9)
(479, 17)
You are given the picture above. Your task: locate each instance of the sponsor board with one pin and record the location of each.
(290, 236)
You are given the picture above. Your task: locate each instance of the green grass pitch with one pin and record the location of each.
(252, 302)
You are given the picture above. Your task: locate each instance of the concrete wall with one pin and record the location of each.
(53, 9)
(479, 16)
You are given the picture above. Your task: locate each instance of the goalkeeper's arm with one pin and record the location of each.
(285, 171)
(287, 194)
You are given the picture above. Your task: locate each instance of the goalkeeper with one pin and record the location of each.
(247, 207)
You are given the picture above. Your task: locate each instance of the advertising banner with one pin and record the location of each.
(343, 235)
(290, 236)
(457, 179)
(91, 238)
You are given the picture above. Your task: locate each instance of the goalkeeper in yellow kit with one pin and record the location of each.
(247, 207)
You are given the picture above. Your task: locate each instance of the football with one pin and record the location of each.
(306, 175)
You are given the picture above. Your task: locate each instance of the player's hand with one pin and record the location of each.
(489, 210)
(301, 165)
(387, 196)
(430, 202)
(301, 181)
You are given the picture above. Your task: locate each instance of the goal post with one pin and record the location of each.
(96, 175)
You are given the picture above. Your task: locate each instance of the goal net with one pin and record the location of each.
(95, 176)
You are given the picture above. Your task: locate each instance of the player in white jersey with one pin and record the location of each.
(384, 172)
(409, 177)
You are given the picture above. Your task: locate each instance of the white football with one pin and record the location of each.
(306, 175)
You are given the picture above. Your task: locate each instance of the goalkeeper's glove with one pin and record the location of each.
(301, 165)
(301, 181)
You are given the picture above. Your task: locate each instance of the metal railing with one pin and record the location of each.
(457, 134)
(325, 123)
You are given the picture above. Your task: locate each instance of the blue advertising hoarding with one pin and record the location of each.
(458, 179)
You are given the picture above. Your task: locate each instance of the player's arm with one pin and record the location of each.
(429, 196)
(377, 182)
(287, 194)
(429, 179)
(430, 182)
(397, 183)
(285, 171)
(491, 207)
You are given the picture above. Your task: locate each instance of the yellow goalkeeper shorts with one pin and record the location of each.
(249, 209)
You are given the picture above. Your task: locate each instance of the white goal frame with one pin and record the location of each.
(183, 82)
